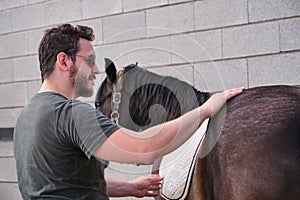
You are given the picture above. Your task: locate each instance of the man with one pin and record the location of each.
(61, 144)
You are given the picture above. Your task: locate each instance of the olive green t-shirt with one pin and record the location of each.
(54, 139)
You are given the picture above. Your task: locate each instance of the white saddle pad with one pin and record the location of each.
(177, 167)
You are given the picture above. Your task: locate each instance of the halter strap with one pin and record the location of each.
(116, 97)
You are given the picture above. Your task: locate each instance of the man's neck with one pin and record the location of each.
(63, 89)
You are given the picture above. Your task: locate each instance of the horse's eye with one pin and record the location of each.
(97, 105)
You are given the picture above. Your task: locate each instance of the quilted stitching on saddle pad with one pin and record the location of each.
(177, 167)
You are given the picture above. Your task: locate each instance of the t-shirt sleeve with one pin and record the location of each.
(90, 127)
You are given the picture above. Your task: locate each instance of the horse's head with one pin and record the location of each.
(104, 94)
(146, 99)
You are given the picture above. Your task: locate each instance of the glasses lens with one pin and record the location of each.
(91, 61)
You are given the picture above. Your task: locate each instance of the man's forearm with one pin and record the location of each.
(119, 188)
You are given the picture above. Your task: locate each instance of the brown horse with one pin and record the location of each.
(252, 146)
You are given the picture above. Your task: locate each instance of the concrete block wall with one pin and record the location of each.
(212, 44)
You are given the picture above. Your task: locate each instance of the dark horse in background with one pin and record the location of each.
(252, 146)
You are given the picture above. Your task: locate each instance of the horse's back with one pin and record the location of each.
(257, 153)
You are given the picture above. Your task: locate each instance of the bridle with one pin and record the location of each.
(116, 94)
(116, 97)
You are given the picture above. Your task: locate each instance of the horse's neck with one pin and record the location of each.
(162, 99)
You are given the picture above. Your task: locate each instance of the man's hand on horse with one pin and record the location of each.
(216, 102)
(146, 186)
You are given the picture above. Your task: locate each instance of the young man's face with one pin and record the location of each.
(86, 70)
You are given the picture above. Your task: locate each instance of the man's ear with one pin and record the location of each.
(63, 61)
(110, 70)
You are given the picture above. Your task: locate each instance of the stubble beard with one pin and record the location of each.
(81, 83)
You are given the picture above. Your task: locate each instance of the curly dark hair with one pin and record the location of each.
(63, 38)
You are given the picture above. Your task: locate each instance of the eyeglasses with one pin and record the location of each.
(91, 59)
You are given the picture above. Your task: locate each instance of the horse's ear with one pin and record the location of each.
(110, 70)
